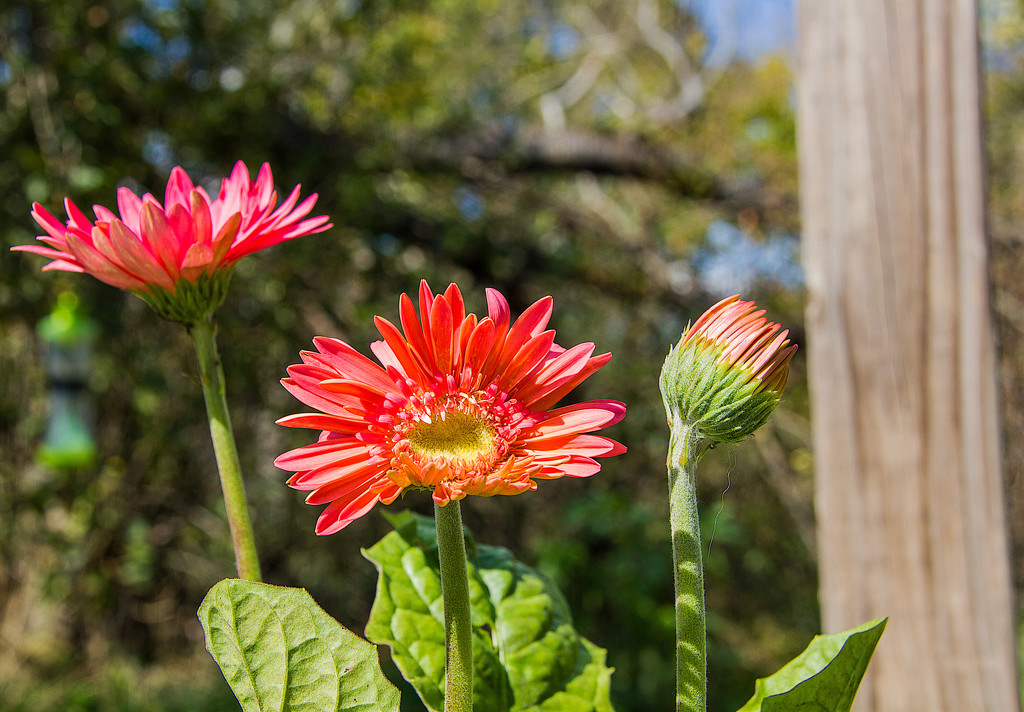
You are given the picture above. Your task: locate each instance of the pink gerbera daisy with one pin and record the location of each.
(461, 406)
(177, 255)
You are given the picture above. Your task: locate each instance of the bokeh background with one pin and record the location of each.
(634, 159)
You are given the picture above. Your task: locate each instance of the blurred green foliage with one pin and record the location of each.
(571, 148)
(1003, 52)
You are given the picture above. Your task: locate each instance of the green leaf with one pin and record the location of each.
(823, 678)
(280, 652)
(526, 653)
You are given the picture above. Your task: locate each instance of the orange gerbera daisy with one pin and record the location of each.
(461, 406)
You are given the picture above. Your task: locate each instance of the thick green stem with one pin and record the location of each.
(204, 336)
(458, 632)
(685, 449)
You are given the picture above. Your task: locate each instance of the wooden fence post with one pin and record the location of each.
(909, 493)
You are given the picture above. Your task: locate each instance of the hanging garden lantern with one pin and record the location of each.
(67, 336)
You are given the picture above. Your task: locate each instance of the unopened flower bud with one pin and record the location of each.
(727, 373)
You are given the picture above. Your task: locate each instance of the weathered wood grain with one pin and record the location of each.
(901, 355)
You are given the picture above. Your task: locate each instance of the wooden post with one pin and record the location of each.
(901, 358)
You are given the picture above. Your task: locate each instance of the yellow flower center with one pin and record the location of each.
(458, 436)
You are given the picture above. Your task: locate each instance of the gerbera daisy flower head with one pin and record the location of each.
(458, 405)
(727, 374)
(177, 255)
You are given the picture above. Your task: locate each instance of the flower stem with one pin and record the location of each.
(685, 449)
(204, 336)
(458, 641)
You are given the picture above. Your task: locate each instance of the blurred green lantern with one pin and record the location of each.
(67, 337)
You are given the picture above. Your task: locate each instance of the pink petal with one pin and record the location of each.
(44, 251)
(349, 363)
(412, 365)
(554, 372)
(258, 236)
(543, 402)
(577, 466)
(321, 421)
(202, 223)
(341, 513)
(181, 227)
(63, 265)
(347, 483)
(308, 392)
(426, 304)
(337, 473)
(587, 445)
(461, 341)
(309, 226)
(319, 363)
(179, 186)
(530, 323)
(287, 211)
(136, 257)
(198, 257)
(481, 340)
(157, 235)
(60, 244)
(442, 334)
(454, 298)
(580, 418)
(386, 356)
(714, 313)
(103, 215)
(54, 227)
(129, 206)
(237, 183)
(77, 217)
(99, 266)
(325, 452)
(353, 389)
(527, 358)
(101, 241)
(224, 238)
(498, 311)
(768, 351)
(264, 186)
(414, 333)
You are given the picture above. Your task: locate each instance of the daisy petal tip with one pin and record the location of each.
(616, 408)
(325, 526)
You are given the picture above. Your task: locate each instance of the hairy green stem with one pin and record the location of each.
(204, 336)
(458, 632)
(685, 449)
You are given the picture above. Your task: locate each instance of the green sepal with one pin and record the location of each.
(190, 301)
(824, 677)
(723, 401)
(280, 651)
(526, 653)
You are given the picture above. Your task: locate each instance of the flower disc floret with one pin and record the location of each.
(727, 374)
(458, 406)
(452, 437)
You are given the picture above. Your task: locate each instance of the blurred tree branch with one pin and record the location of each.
(535, 149)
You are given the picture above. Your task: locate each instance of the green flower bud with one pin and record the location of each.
(727, 373)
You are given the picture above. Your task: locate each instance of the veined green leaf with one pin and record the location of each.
(526, 653)
(823, 678)
(280, 652)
